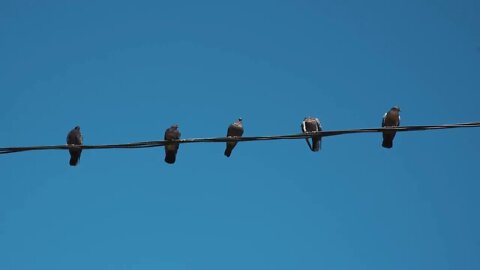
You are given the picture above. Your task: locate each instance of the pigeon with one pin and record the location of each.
(390, 119)
(311, 124)
(74, 137)
(171, 134)
(234, 130)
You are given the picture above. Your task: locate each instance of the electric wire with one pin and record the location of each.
(147, 144)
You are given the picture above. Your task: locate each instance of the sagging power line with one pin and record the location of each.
(305, 135)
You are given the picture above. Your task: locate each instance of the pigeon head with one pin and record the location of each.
(175, 126)
(395, 108)
(77, 128)
(240, 119)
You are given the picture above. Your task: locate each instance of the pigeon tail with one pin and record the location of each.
(74, 157)
(74, 160)
(387, 144)
(388, 140)
(316, 144)
(229, 149)
(170, 157)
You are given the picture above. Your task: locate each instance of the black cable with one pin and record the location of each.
(8, 150)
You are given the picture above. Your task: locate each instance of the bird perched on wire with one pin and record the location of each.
(312, 124)
(234, 130)
(74, 137)
(390, 119)
(171, 134)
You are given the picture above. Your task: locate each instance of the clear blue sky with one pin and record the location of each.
(126, 70)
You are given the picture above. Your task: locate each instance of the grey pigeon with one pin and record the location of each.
(312, 124)
(390, 119)
(75, 137)
(234, 130)
(171, 134)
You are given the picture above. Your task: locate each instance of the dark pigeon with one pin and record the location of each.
(171, 134)
(311, 124)
(390, 119)
(234, 130)
(75, 137)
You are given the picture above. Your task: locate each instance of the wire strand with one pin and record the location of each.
(147, 144)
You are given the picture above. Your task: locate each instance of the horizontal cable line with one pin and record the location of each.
(147, 144)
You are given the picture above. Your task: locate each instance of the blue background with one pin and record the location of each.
(126, 70)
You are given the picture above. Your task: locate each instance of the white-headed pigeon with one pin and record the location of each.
(171, 134)
(390, 119)
(234, 130)
(75, 137)
(312, 124)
